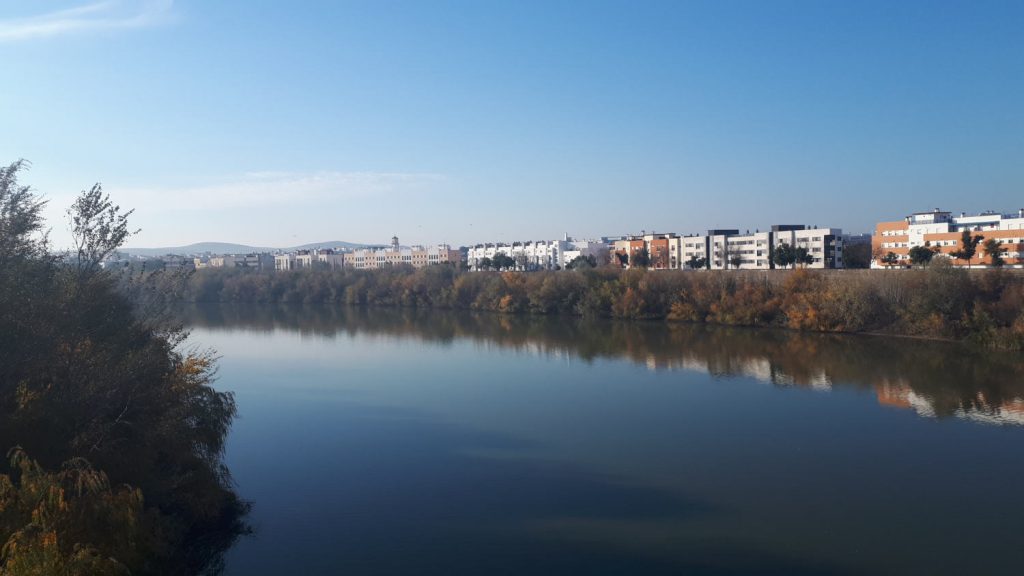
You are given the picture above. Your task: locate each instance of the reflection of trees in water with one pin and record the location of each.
(933, 378)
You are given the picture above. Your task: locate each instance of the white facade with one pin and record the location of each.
(284, 262)
(692, 247)
(539, 255)
(825, 245)
(753, 251)
(598, 250)
(728, 249)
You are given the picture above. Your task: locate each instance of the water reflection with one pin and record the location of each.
(934, 379)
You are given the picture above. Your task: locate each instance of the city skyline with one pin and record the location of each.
(460, 123)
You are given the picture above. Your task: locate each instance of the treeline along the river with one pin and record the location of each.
(941, 301)
(113, 436)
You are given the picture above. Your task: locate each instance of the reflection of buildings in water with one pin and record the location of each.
(898, 394)
(760, 369)
(1010, 413)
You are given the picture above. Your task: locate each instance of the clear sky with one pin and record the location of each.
(282, 122)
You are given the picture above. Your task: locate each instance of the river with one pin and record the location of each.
(412, 442)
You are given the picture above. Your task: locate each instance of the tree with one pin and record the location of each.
(86, 372)
(735, 261)
(890, 259)
(501, 261)
(623, 259)
(21, 221)
(921, 255)
(968, 247)
(640, 259)
(484, 263)
(784, 256)
(995, 251)
(98, 227)
(582, 262)
(802, 256)
(857, 255)
(695, 262)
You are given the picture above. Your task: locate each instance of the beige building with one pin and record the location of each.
(396, 255)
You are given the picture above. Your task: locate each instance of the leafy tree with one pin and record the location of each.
(890, 259)
(501, 261)
(623, 259)
(921, 255)
(640, 259)
(695, 262)
(735, 261)
(582, 262)
(857, 255)
(995, 251)
(802, 256)
(21, 222)
(968, 247)
(784, 255)
(484, 263)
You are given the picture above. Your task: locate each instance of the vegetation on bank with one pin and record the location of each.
(114, 437)
(939, 301)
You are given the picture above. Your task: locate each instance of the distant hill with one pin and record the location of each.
(229, 248)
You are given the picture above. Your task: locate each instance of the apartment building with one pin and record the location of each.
(726, 249)
(942, 231)
(396, 255)
(662, 250)
(252, 260)
(539, 255)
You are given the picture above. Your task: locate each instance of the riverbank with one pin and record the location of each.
(984, 308)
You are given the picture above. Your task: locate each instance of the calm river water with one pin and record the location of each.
(402, 442)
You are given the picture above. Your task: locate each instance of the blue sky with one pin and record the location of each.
(278, 123)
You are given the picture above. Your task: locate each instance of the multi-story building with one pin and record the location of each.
(539, 255)
(284, 262)
(626, 249)
(396, 255)
(252, 260)
(725, 249)
(596, 249)
(662, 250)
(825, 245)
(942, 232)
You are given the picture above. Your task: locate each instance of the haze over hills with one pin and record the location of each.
(231, 248)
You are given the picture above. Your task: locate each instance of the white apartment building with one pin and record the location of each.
(825, 245)
(585, 248)
(284, 262)
(539, 255)
(309, 258)
(726, 249)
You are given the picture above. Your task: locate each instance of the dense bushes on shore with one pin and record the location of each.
(114, 436)
(939, 302)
